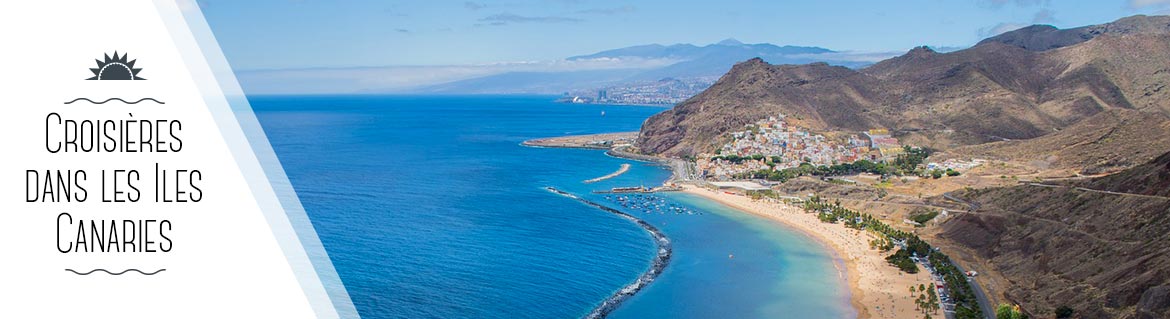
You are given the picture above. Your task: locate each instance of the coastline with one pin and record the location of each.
(603, 141)
(877, 290)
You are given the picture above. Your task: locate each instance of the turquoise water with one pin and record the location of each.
(430, 208)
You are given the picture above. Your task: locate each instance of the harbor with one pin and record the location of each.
(639, 189)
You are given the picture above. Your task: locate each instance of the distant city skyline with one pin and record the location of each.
(283, 34)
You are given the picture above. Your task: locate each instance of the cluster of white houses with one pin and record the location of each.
(783, 146)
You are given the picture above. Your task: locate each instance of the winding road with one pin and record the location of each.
(1090, 190)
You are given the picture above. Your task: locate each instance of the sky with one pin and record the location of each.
(284, 34)
(319, 46)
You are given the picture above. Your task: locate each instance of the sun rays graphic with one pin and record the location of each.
(116, 68)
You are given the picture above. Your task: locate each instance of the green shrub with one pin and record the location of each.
(922, 215)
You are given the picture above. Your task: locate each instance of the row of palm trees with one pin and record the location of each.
(927, 300)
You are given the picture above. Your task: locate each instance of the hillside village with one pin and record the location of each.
(773, 144)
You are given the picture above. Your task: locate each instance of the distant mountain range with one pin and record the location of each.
(726, 47)
(624, 67)
(715, 59)
(686, 61)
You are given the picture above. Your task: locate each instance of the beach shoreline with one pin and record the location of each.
(877, 290)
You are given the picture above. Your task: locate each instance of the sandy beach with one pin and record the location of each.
(878, 290)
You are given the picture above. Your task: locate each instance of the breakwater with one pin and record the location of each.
(661, 259)
(621, 170)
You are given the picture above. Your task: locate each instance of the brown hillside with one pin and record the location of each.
(1102, 254)
(990, 92)
(1152, 178)
(1105, 142)
(753, 90)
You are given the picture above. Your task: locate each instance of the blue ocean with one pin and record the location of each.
(429, 207)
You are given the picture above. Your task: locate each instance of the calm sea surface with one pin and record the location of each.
(430, 208)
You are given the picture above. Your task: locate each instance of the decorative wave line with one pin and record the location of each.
(116, 273)
(111, 99)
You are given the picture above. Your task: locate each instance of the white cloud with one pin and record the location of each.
(506, 18)
(474, 6)
(608, 11)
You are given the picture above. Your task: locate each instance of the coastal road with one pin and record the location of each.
(685, 170)
(980, 296)
(984, 303)
(1090, 190)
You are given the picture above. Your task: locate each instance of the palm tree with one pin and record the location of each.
(933, 300)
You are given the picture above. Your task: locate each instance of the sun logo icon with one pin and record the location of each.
(116, 68)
